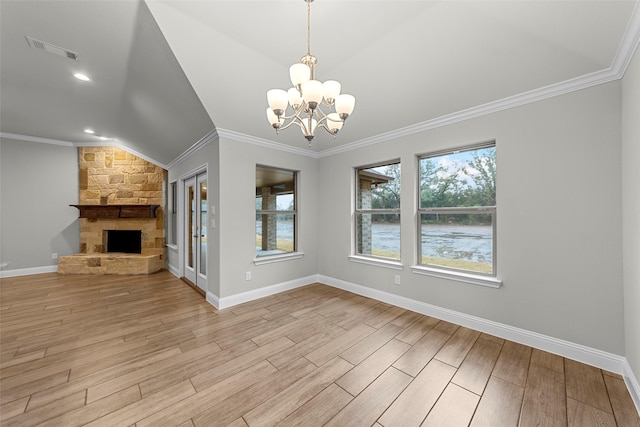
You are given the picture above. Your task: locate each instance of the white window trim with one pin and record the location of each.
(474, 279)
(491, 280)
(269, 259)
(377, 261)
(357, 257)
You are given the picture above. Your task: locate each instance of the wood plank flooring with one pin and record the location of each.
(149, 351)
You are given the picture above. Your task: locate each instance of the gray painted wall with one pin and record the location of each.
(205, 158)
(559, 209)
(237, 217)
(631, 211)
(231, 250)
(38, 183)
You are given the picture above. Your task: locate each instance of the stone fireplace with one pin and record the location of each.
(119, 193)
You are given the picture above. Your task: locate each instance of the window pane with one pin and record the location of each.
(275, 191)
(465, 178)
(461, 241)
(274, 234)
(173, 225)
(203, 228)
(284, 202)
(378, 235)
(379, 187)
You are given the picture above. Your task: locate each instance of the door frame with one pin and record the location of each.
(182, 220)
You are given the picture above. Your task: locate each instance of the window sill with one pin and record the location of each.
(378, 262)
(474, 279)
(171, 246)
(277, 258)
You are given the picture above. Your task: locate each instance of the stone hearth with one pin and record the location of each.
(112, 263)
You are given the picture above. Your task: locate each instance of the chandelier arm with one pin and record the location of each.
(324, 117)
(288, 124)
(296, 112)
(329, 131)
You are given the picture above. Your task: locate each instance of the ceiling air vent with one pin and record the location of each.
(48, 47)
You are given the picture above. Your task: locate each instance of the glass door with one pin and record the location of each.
(195, 266)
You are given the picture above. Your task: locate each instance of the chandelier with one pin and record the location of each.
(307, 97)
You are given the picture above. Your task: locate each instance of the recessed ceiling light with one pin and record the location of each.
(82, 77)
(89, 131)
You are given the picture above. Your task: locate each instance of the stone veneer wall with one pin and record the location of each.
(111, 176)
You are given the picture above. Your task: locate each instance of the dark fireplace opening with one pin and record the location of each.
(127, 241)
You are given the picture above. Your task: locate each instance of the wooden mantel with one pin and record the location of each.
(117, 211)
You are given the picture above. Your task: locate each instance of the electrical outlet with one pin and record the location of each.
(396, 280)
(54, 255)
(4, 264)
(247, 275)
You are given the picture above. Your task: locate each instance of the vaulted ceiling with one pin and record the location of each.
(165, 73)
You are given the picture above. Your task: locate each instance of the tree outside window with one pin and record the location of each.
(457, 211)
(377, 215)
(276, 211)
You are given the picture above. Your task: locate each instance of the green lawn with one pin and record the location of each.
(478, 267)
(282, 245)
(462, 264)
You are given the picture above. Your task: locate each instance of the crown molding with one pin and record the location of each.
(535, 95)
(241, 137)
(108, 143)
(35, 139)
(624, 55)
(629, 43)
(208, 138)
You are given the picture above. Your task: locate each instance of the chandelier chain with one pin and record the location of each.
(309, 27)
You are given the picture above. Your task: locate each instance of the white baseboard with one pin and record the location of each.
(594, 357)
(632, 384)
(173, 270)
(28, 271)
(590, 356)
(226, 302)
(213, 300)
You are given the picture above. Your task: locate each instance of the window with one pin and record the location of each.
(457, 211)
(173, 212)
(377, 213)
(276, 211)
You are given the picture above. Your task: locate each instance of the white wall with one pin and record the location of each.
(38, 182)
(559, 208)
(237, 217)
(631, 211)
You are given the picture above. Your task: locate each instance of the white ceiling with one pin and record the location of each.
(408, 63)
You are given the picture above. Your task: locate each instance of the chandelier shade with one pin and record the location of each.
(310, 103)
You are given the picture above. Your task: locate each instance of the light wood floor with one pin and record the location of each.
(149, 351)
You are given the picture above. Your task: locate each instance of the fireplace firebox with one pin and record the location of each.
(127, 241)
